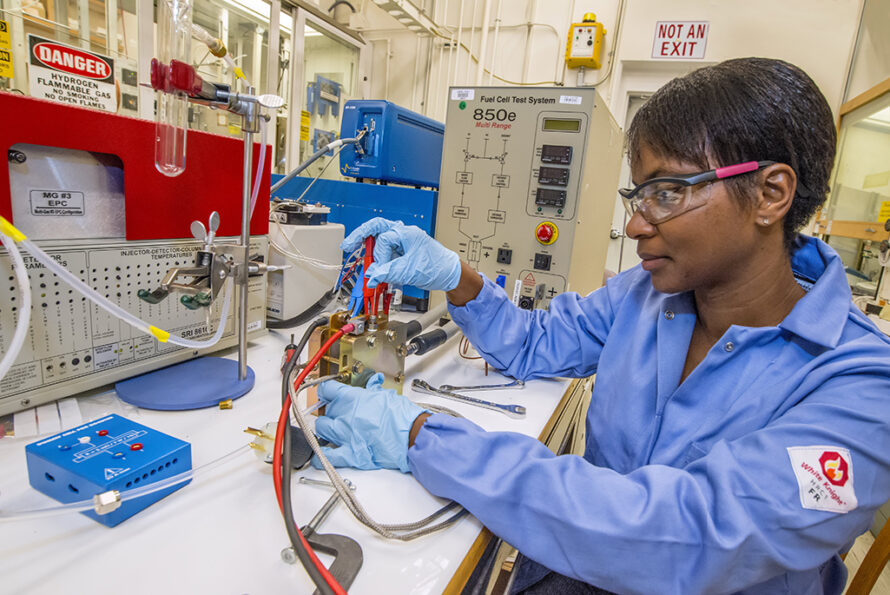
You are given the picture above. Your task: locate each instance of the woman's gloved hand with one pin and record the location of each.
(406, 255)
(370, 425)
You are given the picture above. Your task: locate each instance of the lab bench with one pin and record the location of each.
(223, 533)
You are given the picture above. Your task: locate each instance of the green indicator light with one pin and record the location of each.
(462, 105)
(539, 209)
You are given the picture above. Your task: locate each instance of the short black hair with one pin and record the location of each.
(747, 109)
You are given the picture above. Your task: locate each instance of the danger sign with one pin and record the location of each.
(69, 74)
(683, 40)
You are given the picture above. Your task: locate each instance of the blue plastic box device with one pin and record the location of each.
(111, 453)
(401, 146)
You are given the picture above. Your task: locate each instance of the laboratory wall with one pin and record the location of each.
(817, 35)
(871, 62)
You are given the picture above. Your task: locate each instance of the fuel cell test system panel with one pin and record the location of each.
(528, 187)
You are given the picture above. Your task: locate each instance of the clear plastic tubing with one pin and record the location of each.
(259, 167)
(115, 310)
(24, 309)
(171, 124)
(216, 46)
(84, 505)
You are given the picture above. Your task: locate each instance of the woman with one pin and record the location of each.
(738, 391)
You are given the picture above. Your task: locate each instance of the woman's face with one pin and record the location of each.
(699, 249)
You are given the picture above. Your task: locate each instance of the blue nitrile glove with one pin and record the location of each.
(370, 425)
(406, 255)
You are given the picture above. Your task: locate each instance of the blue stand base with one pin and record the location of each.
(193, 384)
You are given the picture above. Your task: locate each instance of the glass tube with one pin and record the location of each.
(171, 123)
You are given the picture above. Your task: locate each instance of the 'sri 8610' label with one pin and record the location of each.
(57, 203)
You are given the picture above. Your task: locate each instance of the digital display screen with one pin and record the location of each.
(555, 176)
(559, 125)
(556, 154)
(547, 197)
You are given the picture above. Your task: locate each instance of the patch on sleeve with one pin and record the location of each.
(825, 477)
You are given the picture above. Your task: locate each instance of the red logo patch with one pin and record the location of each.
(72, 60)
(834, 467)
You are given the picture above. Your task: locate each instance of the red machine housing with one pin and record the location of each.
(157, 206)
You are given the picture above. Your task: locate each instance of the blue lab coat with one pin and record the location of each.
(716, 485)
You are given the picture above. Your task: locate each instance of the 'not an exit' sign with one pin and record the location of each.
(680, 40)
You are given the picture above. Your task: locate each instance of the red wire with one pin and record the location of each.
(283, 419)
(368, 293)
(351, 270)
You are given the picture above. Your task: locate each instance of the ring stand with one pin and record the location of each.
(193, 384)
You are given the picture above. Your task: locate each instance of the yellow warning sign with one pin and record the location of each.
(4, 35)
(304, 125)
(884, 214)
(6, 63)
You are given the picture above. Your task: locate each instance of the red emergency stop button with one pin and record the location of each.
(546, 233)
(136, 446)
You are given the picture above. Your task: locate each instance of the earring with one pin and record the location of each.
(765, 221)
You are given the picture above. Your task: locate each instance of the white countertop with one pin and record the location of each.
(224, 533)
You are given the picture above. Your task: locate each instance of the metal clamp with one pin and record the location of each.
(213, 265)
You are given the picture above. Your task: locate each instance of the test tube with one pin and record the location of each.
(171, 123)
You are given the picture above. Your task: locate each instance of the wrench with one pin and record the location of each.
(514, 384)
(514, 411)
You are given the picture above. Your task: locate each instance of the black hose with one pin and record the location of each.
(429, 341)
(286, 503)
(302, 317)
(413, 327)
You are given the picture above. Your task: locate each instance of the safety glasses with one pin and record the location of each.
(661, 199)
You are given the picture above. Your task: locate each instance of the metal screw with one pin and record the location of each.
(372, 340)
(26, 402)
(391, 335)
(222, 274)
(402, 350)
(358, 368)
(288, 555)
(400, 377)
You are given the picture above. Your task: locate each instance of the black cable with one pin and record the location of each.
(321, 321)
(286, 505)
(302, 317)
